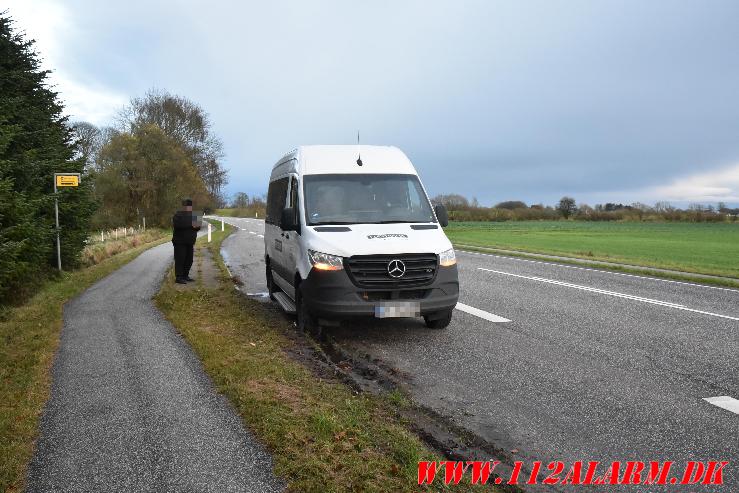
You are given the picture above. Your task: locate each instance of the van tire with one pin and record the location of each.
(270, 282)
(303, 319)
(439, 323)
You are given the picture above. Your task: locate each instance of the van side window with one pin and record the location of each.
(276, 197)
(294, 184)
(293, 192)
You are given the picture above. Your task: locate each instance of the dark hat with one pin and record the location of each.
(187, 201)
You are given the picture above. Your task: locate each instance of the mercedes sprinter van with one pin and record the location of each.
(350, 232)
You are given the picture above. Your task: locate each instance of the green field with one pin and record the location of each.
(706, 248)
(248, 212)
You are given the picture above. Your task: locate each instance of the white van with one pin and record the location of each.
(350, 232)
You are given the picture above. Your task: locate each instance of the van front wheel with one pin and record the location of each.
(270, 282)
(439, 323)
(304, 320)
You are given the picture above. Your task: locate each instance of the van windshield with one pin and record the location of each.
(365, 199)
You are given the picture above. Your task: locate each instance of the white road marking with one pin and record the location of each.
(230, 275)
(611, 293)
(252, 232)
(602, 271)
(261, 236)
(724, 402)
(480, 313)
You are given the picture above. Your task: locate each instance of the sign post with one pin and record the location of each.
(62, 180)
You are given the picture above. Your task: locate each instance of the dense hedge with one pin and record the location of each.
(35, 142)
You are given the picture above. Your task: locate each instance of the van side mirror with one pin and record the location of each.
(442, 215)
(287, 220)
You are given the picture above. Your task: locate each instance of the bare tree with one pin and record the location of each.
(511, 205)
(187, 123)
(88, 139)
(240, 201)
(452, 201)
(567, 206)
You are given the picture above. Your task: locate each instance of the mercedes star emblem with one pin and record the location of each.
(396, 268)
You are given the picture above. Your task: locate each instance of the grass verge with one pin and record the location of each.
(29, 336)
(324, 436)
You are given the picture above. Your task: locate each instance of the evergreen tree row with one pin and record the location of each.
(35, 143)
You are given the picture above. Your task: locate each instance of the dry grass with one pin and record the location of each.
(95, 253)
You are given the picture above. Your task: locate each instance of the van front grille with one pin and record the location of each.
(371, 271)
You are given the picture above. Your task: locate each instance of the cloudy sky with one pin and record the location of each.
(604, 101)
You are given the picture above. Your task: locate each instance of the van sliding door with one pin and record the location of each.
(290, 246)
(274, 236)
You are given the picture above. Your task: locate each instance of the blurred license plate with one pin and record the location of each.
(393, 309)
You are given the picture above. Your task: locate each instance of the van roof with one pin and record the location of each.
(325, 159)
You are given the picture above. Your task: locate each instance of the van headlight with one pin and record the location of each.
(324, 261)
(447, 258)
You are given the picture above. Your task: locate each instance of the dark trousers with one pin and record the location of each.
(182, 259)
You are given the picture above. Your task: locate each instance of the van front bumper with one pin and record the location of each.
(332, 295)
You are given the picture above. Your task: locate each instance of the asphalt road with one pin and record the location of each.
(131, 408)
(592, 365)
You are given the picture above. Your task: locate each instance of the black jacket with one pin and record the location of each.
(182, 229)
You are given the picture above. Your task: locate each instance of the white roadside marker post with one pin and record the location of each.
(102, 237)
(208, 232)
(222, 225)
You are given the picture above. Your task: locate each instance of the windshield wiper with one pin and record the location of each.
(394, 221)
(329, 223)
(399, 221)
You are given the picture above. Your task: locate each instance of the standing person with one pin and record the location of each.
(185, 227)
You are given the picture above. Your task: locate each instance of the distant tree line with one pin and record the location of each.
(462, 209)
(245, 206)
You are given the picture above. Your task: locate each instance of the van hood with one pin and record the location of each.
(374, 239)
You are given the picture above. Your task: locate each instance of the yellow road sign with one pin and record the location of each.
(67, 180)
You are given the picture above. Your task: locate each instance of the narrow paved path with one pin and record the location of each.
(131, 408)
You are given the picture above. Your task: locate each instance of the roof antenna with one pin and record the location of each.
(359, 154)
